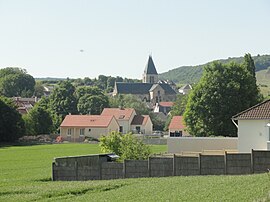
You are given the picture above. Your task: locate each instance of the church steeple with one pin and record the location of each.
(150, 74)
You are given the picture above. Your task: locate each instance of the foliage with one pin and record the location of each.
(12, 126)
(192, 74)
(29, 179)
(39, 89)
(223, 91)
(91, 100)
(158, 123)
(62, 102)
(16, 82)
(129, 101)
(179, 106)
(38, 121)
(126, 146)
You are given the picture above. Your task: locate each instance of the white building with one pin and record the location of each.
(254, 127)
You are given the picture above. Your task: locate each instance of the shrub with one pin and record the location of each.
(126, 146)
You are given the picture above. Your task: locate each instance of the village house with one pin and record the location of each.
(177, 127)
(75, 128)
(185, 89)
(164, 107)
(151, 89)
(142, 124)
(24, 105)
(124, 117)
(253, 127)
(129, 121)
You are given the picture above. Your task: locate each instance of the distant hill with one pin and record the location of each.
(192, 74)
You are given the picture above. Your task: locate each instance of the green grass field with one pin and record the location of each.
(25, 173)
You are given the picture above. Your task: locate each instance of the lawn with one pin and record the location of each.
(25, 173)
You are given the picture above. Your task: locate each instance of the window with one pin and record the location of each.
(138, 129)
(151, 79)
(69, 131)
(121, 129)
(81, 131)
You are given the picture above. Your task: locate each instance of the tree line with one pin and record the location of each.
(223, 91)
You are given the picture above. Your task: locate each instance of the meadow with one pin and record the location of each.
(25, 175)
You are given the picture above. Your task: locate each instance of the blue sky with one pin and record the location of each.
(45, 37)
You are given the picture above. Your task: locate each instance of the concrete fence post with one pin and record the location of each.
(53, 172)
(174, 165)
(124, 169)
(149, 166)
(252, 161)
(100, 168)
(76, 169)
(225, 163)
(199, 162)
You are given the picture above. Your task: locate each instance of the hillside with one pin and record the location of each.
(192, 74)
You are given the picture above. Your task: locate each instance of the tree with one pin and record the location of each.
(38, 121)
(91, 100)
(92, 104)
(179, 106)
(249, 64)
(130, 101)
(12, 125)
(126, 146)
(39, 89)
(16, 82)
(223, 91)
(62, 102)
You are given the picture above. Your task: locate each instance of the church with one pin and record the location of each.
(151, 90)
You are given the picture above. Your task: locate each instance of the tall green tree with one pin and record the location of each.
(92, 104)
(11, 123)
(223, 91)
(91, 100)
(38, 121)
(16, 82)
(249, 64)
(62, 102)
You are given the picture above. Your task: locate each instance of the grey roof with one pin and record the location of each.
(150, 67)
(186, 87)
(167, 88)
(141, 88)
(133, 88)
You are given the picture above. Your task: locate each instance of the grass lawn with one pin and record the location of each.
(25, 173)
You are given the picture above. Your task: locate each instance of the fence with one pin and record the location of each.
(99, 167)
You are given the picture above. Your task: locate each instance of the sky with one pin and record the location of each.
(85, 38)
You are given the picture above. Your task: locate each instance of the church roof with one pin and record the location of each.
(150, 67)
(141, 88)
(167, 88)
(133, 88)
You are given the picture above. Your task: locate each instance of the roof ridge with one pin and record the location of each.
(255, 106)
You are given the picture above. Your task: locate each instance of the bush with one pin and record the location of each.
(126, 146)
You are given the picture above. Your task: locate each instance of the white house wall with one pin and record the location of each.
(252, 134)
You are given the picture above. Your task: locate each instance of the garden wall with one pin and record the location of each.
(100, 167)
(199, 144)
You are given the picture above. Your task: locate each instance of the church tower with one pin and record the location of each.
(150, 74)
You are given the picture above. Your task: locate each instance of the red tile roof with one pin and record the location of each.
(140, 119)
(177, 122)
(86, 121)
(118, 113)
(166, 104)
(259, 111)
